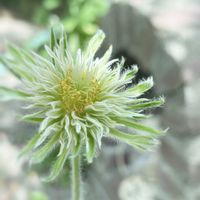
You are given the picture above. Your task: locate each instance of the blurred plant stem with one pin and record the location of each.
(76, 178)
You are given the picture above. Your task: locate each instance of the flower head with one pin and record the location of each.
(79, 99)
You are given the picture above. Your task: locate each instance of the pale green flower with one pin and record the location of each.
(79, 99)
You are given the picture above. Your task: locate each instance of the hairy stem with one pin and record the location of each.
(76, 178)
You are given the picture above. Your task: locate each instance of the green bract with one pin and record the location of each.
(78, 99)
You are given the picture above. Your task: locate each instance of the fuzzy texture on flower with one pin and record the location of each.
(78, 100)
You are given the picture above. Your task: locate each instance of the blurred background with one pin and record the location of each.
(163, 39)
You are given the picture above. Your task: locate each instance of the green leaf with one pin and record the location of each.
(15, 68)
(90, 148)
(137, 141)
(34, 117)
(65, 41)
(131, 72)
(141, 87)
(138, 126)
(6, 65)
(37, 195)
(53, 42)
(30, 145)
(7, 94)
(94, 44)
(57, 166)
(53, 39)
(148, 104)
(51, 4)
(17, 63)
(14, 50)
(40, 154)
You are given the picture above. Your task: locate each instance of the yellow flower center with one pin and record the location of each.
(76, 96)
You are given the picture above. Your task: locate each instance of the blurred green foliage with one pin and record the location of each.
(37, 195)
(79, 17)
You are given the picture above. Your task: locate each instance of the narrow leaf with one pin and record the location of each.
(90, 148)
(53, 43)
(7, 94)
(148, 104)
(137, 141)
(40, 154)
(53, 39)
(138, 126)
(131, 72)
(64, 41)
(16, 68)
(141, 87)
(6, 65)
(95, 43)
(34, 117)
(57, 166)
(14, 50)
(46, 134)
(30, 145)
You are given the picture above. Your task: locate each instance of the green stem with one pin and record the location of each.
(76, 178)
